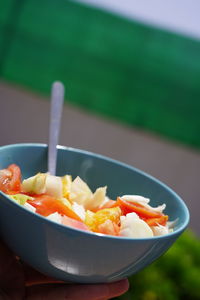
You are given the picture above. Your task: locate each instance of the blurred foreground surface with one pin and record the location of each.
(24, 118)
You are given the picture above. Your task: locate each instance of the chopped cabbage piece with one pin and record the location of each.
(97, 199)
(55, 217)
(160, 230)
(29, 207)
(53, 186)
(20, 198)
(136, 198)
(43, 183)
(34, 184)
(132, 226)
(79, 210)
(80, 192)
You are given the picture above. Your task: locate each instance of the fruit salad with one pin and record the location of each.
(70, 202)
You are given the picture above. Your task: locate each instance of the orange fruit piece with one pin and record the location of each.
(93, 220)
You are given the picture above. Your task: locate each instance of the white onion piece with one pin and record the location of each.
(132, 226)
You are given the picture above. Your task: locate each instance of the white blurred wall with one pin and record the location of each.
(182, 16)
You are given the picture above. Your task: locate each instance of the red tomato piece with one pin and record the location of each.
(157, 221)
(140, 210)
(10, 179)
(74, 223)
(46, 205)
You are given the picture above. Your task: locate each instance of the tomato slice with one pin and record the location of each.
(5, 176)
(74, 223)
(157, 221)
(140, 210)
(15, 182)
(10, 179)
(46, 205)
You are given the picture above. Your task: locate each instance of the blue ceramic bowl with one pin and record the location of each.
(73, 255)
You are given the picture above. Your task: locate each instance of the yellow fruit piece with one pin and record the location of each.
(66, 184)
(66, 202)
(93, 220)
(89, 220)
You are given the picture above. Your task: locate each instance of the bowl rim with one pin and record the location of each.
(175, 233)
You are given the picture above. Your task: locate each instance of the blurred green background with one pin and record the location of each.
(124, 70)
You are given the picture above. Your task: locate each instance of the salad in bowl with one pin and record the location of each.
(70, 202)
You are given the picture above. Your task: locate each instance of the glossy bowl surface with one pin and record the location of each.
(73, 255)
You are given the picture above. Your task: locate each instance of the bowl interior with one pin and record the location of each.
(97, 171)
